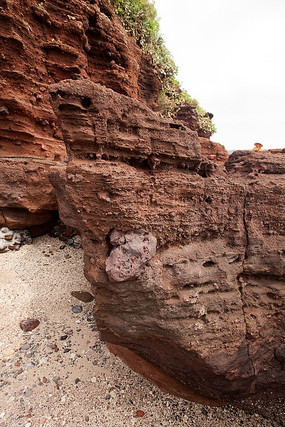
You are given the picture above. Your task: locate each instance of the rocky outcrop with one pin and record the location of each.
(206, 303)
(209, 149)
(213, 151)
(44, 42)
(27, 198)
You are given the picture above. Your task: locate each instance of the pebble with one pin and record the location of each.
(28, 393)
(29, 324)
(77, 309)
(57, 381)
(82, 296)
(26, 347)
(63, 337)
(13, 239)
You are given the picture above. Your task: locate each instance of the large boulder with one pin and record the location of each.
(187, 267)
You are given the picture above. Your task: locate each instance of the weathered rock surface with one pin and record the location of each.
(209, 149)
(27, 198)
(208, 307)
(42, 43)
(131, 252)
(213, 151)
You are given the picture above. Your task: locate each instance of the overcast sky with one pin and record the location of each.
(231, 58)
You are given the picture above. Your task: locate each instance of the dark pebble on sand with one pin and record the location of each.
(76, 309)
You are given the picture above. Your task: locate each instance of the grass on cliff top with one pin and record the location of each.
(139, 18)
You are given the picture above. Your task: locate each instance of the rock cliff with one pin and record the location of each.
(186, 261)
(42, 43)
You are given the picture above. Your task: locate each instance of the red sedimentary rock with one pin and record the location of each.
(209, 149)
(29, 324)
(207, 307)
(213, 151)
(42, 43)
(27, 197)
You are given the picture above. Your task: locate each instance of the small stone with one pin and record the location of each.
(4, 110)
(76, 309)
(9, 237)
(29, 324)
(63, 337)
(25, 347)
(62, 246)
(82, 296)
(66, 350)
(204, 411)
(77, 380)
(57, 381)
(77, 245)
(86, 418)
(28, 393)
(3, 246)
(139, 413)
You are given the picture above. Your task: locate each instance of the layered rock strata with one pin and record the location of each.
(26, 196)
(44, 42)
(211, 150)
(206, 304)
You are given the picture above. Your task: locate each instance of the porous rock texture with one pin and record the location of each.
(42, 43)
(27, 197)
(207, 305)
(212, 150)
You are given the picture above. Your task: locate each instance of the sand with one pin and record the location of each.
(61, 374)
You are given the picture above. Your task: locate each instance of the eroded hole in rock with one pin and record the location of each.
(93, 21)
(272, 295)
(54, 96)
(209, 263)
(61, 93)
(86, 102)
(187, 286)
(106, 11)
(176, 126)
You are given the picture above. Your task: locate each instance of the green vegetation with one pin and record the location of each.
(139, 17)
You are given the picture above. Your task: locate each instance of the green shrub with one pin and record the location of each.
(139, 18)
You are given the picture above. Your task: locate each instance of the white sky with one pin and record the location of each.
(231, 58)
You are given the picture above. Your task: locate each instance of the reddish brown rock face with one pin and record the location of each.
(27, 198)
(209, 149)
(42, 43)
(208, 306)
(213, 151)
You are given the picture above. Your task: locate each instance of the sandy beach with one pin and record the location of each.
(61, 374)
